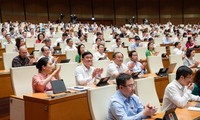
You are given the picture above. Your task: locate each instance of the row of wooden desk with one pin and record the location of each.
(75, 107)
(7, 90)
(70, 106)
(34, 102)
(182, 113)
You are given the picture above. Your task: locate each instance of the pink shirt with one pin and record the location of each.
(38, 41)
(37, 82)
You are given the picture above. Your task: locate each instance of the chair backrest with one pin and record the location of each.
(158, 41)
(90, 37)
(71, 55)
(63, 46)
(93, 51)
(10, 48)
(87, 45)
(145, 89)
(107, 33)
(197, 56)
(7, 59)
(128, 44)
(22, 79)
(141, 52)
(176, 59)
(102, 64)
(124, 39)
(67, 73)
(108, 45)
(171, 77)
(37, 54)
(161, 50)
(183, 43)
(154, 63)
(30, 42)
(171, 48)
(99, 101)
(38, 46)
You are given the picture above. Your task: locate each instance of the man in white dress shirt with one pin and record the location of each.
(167, 39)
(117, 66)
(61, 40)
(8, 40)
(70, 45)
(85, 73)
(178, 50)
(136, 67)
(116, 45)
(178, 92)
(47, 53)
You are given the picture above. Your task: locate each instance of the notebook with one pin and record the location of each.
(58, 86)
(65, 61)
(169, 115)
(103, 81)
(165, 71)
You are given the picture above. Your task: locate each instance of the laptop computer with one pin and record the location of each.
(135, 75)
(103, 81)
(65, 61)
(165, 71)
(58, 86)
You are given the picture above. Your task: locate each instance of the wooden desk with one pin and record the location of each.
(30, 50)
(2, 50)
(1, 63)
(5, 92)
(73, 106)
(181, 113)
(197, 50)
(109, 54)
(5, 84)
(160, 84)
(61, 57)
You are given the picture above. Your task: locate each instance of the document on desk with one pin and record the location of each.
(78, 88)
(194, 108)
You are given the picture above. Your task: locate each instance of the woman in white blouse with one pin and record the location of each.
(100, 54)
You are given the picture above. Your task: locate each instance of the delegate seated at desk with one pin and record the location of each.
(189, 59)
(135, 66)
(85, 73)
(124, 104)
(178, 92)
(41, 81)
(22, 59)
(117, 66)
(196, 90)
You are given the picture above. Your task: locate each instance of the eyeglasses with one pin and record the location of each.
(130, 85)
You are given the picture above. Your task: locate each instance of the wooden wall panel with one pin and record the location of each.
(125, 10)
(111, 11)
(36, 10)
(58, 7)
(104, 9)
(171, 10)
(82, 9)
(12, 10)
(191, 11)
(148, 9)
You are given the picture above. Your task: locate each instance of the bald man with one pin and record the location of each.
(22, 59)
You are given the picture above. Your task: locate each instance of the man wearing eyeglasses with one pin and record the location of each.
(124, 104)
(178, 92)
